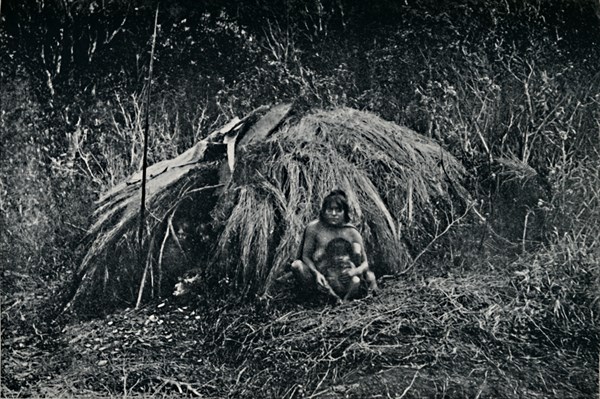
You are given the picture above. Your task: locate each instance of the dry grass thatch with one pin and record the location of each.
(262, 179)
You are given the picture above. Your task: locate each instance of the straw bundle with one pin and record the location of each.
(272, 171)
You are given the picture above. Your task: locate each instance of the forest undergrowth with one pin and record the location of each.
(502, 333)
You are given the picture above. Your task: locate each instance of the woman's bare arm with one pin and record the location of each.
(310, 245)
(363, 266)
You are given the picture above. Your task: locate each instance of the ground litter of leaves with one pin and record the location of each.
(440, 337)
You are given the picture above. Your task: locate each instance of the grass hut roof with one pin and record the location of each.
(255, 183)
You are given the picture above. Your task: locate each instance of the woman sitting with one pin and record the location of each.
(333, 223)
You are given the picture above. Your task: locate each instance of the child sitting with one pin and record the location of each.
(340, 270)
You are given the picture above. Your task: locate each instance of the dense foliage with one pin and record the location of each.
(516, 80)
(511, 88)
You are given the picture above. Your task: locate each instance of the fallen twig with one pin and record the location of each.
(180, 384)
(409, 385)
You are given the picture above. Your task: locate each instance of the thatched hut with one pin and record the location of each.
(247, 190)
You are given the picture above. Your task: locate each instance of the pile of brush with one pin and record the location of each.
(472, 335)
(244, 194)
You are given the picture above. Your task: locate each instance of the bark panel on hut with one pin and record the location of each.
(267, 124)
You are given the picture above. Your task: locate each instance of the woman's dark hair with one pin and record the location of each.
(336, 198)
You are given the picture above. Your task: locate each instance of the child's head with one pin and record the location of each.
(335, 209)
(339, 249)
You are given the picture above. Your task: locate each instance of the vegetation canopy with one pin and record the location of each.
(254, 184)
